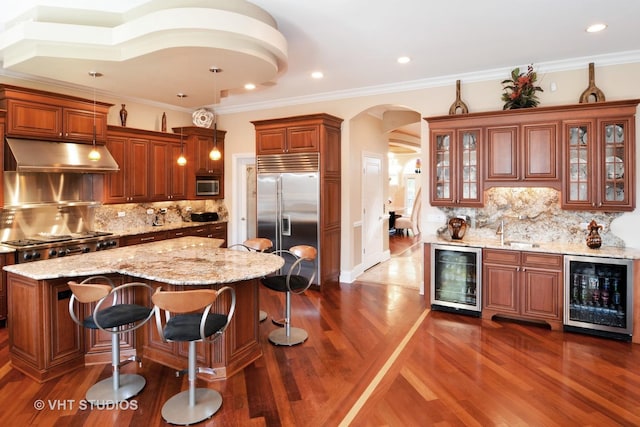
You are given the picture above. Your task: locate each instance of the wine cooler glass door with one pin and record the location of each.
(456, 277)
(598, 294)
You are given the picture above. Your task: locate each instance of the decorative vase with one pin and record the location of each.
(164, 122)
(457, 227)
(594, 241)
(123, 115)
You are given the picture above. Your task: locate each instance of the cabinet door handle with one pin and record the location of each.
(146, 239)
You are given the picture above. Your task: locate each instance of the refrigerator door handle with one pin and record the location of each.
(286, 225)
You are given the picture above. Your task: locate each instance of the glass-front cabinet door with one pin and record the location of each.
(441, 153)
(580, 158)
(597, 154)
(455, 171)
(469, 176)
(615, 159)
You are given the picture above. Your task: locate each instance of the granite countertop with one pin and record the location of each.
(552, 248)
(181, 261)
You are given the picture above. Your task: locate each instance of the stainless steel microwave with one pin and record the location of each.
(207, 186)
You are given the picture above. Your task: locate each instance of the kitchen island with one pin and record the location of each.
(45, 343)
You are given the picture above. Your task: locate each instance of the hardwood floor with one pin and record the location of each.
(376, 356)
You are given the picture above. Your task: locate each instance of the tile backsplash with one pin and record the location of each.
(534, 215)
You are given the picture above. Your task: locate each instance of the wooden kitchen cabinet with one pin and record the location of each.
(44, 115)
(547, 147)
(523, 285)
(528, 152)
(6, 259)
(167, 178)
(456, 177)
(148, 167)
(274, 138)
(2, 128)
(131, 182)
(599, 159)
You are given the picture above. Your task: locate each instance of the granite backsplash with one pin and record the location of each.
(122, 217)
(531, 214)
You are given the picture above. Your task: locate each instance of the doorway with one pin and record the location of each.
(244, 201)
(373, 211)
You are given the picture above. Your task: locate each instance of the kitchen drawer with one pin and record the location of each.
(541, 260)
(143, 238)
(202, 231)
(501, 256)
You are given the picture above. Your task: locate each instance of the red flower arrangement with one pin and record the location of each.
(520, 90)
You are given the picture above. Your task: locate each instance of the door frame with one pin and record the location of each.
(380, 255)
(239, 214)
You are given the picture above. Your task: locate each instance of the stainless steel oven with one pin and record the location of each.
(598, 296)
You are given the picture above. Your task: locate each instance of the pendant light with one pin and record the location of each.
(181, 160)
(94, 154)
(215, 152)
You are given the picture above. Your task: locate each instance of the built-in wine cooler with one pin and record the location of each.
(456, 278)
(598, 296)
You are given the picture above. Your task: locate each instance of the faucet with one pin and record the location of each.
(500, 231)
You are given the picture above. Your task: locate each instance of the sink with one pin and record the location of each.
(521, 244)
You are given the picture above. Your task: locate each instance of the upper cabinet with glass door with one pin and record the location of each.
(455, 175)
(599, 160)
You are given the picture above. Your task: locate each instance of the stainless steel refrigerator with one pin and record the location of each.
(288, 195)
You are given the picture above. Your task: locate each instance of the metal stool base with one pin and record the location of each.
(178, 411)
(262, 316)
(103, 392)
(277, 322)
(296, 336)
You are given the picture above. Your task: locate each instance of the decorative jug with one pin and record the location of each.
(594, 241)
(457, 227)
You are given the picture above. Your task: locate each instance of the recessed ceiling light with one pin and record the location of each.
(249, 86)
(596, 28)
(317, 75)
(404, 60)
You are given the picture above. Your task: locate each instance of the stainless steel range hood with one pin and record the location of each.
(27, 155)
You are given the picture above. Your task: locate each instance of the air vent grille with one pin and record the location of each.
(299, 162)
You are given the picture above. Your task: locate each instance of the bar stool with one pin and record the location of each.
(258, 244)
(116, 319)
(292, 282)
(182, 322)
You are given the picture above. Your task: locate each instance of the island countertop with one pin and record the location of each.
(182, 261)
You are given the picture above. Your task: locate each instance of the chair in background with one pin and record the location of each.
(258, 244)
(186, 317)
(413, 222)
(115, 319)
(292, 282)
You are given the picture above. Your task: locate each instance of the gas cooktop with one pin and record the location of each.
(44, 238)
